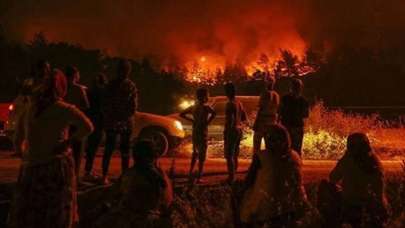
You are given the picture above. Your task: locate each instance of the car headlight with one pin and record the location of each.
(178, 125)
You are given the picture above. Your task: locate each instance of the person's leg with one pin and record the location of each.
(228, 155)
(111, 138)
(238, 138)
(94, 141)
(257, 141)
(231, 156)
(201, 158)
(77, 148)
(294, 139)
(300, 138)
(125, 148)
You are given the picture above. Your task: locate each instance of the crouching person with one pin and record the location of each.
(362, 177)
(146, 193)
(277, 196)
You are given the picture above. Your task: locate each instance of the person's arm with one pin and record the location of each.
(337, 173)
(82, 124)
(188, 111)
(84, 100)
(212, 113)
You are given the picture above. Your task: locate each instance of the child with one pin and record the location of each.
(202, 115)
(234, 116)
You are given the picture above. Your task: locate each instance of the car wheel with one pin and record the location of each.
(159, 138)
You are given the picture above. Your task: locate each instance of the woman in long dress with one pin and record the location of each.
(46, 188)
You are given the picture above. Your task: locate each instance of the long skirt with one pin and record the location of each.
(45, 195)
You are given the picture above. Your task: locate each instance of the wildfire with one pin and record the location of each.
(206, 69)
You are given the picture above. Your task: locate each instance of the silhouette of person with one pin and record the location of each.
(362, 177)
(234, 116)
(45, 194)
(76, 95)
(266, 114)
(119, 109)
(294, 108)
(95, 112)
(146, 192)
(202, 115)
(31, 88)
(277, 196)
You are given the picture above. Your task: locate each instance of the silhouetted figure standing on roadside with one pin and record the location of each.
(45, 194)
(362, 177)
(276, 197)
(96, 95)
(76, 95)
(266, 114)
(119, 109)
(235, 115)
(146, 193)
(294, 108)
(202, 115)
(30, 90)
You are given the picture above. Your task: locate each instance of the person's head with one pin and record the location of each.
(124, 69)
(358, 144)
(271, 81)
(42, 70)
(144, 152)
(202, 95)
(230, 90)
(54, 89)
(296, 86)
(278, 140)
(100, 80)
(72, 74)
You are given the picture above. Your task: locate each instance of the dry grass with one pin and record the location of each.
(326, 132)
(325, 136)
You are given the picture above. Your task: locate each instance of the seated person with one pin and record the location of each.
(362, 177)
(276, 195)
(146, 192)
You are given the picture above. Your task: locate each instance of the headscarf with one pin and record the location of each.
(54, 89)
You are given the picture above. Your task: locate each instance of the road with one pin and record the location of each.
(313, 170)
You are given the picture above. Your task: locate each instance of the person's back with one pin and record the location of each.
(201, 116)
(46, 131)
(293, 110)
(359, 184)
(120, 102)
(277, 196)
(362, 177)
(145, 190)
(234, 111)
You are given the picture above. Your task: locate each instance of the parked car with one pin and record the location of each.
(166, 132)
(218, 103)
(6, 110)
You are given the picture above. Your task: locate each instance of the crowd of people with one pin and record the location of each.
(59, 119)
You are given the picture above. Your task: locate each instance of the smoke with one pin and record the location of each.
(226, 31)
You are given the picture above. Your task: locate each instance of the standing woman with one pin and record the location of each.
(266, 114)
(46, 188)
